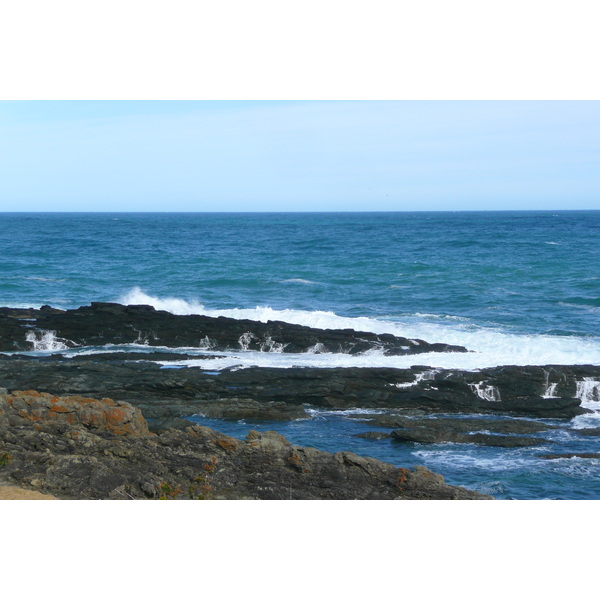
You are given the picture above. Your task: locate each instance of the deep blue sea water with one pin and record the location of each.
(515, 287)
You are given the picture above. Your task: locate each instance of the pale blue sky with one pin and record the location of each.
(299, 156)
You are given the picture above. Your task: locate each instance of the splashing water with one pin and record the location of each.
(45, 341)
(588, 391)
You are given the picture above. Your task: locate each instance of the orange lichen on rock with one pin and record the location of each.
(227, 443)
(119, 418)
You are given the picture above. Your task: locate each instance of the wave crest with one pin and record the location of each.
(491, 346)
(177, 306)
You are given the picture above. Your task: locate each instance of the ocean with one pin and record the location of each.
(517, 288)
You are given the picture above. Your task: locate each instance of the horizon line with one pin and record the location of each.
(221, 212)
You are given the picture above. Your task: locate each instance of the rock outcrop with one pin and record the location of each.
(102, 449)
(280, 394)
(118, 418)
(110, 323)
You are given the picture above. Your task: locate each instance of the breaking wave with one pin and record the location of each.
(490, 346)
(302, 281)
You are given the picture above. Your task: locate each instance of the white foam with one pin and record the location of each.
(489, 393)
(474, 459)
(588, 391)
(550, 391)
(302, 281)
(491, 347)
(425, 376)
(177, 306)
(44, 341)
(317, 412)
(43, 279)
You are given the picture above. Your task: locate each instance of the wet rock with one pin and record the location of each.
(588, 431)
(374, 435)
(570, 455)
(454, 425)
(426, 435)
(110, 323)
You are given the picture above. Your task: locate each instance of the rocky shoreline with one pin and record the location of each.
(417, 405)
(83, 448)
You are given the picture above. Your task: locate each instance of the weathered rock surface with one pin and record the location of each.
(77, 458)
(31, 406)
(110, 323)
(161, 392)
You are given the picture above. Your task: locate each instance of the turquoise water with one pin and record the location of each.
(514, 287)
(530, 272)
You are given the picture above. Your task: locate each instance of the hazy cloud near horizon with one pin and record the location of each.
(270, 156)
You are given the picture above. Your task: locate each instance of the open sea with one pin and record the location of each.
(515, 287)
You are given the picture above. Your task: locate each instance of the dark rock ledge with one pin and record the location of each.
(83, 448)
(282, 394)
(110, 323)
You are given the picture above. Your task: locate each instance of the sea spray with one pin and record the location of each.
(44, 341)
(489, 347)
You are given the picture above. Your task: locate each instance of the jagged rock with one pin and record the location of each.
(119, 418)
(74, 458)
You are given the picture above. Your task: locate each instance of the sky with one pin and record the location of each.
(299, 156)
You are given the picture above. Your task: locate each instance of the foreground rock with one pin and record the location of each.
(110, 323)
(86, 448)
(280, 394)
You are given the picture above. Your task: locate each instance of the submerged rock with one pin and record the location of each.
(588, 431)
(426, 435)
(570, 455)
(79, 457)
(456, 425)
(437, 430)
(374, 435)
